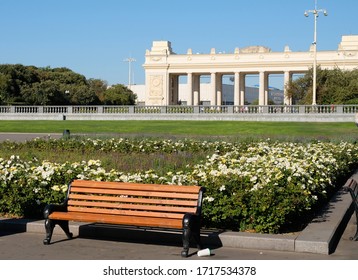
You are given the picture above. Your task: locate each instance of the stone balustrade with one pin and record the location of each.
(322, 113)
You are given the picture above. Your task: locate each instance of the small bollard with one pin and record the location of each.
(66, 134)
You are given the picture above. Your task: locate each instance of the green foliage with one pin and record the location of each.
(58, 86)
(119, 95)
(333, 87)
(43, 93)
(99, 87)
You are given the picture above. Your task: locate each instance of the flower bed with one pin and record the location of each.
(260, 186)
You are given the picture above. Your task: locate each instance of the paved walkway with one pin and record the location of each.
(23, 245)
(21, 137)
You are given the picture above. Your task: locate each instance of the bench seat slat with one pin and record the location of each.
(174, 209)
(119, 212)
(135, 186)
(134, 193)
(134, 200)
(119, 220)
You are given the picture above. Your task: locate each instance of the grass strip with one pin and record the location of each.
(346, 131)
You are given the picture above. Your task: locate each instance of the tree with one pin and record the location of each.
(119, 95)
(99, 87)
(14, 77)
(4, 88)
(57, 86)
(81, 95)
(44, 93)
(333, 87)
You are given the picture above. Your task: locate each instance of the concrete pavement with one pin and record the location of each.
(22, 244)
(22, 137)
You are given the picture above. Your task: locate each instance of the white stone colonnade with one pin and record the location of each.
(163, 68)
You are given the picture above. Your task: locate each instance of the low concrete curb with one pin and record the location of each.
(321, 236)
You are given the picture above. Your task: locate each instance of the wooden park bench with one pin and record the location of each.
(352, 186)
(131, 204)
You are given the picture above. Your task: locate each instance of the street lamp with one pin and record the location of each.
(129, 60)
(315, 13)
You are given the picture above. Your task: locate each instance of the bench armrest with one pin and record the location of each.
(50, 208)
(191, 220)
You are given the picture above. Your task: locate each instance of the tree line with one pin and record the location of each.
(333, 87)
(30, 85)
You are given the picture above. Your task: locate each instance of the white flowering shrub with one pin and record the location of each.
(260, 186)
(269, 186)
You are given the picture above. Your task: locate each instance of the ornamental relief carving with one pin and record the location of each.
(156, 58)
(156, 86)
(349, 53)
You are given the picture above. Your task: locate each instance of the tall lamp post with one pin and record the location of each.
(315, 13)
(129, 60)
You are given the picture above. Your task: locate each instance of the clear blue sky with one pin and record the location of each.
(93, 37)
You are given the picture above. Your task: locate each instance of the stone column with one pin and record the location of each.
(190, 89)
(237, 85)
(262, 88)
(242, 89)
(196, 90)
(287, 78)
(219, 87)
(266, 88)
(174, 90)
(213, 89)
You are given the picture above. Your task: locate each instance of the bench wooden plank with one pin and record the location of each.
(134, 193)
(118, 212)
(155, 208)
(120, 220)
(135, 186)
(134, 200)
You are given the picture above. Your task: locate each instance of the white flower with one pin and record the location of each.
(208, 199)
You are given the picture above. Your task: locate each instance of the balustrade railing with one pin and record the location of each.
(26, 109)
(55, 109)
(85, 109)
(116, 109)
(179, 109)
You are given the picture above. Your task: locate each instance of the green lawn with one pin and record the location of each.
(289, 130)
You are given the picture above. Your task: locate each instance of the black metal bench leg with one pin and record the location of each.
(186, 242)
(65, 227)
(49, 226)
(191, 227)
(187, 232)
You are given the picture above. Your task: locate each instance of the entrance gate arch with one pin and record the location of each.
(163, 69)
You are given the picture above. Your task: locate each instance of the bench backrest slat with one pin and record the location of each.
(135, 193)
(352, 186)
(134, 186)
(128, 206)
(126, 212)
(133, 199)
